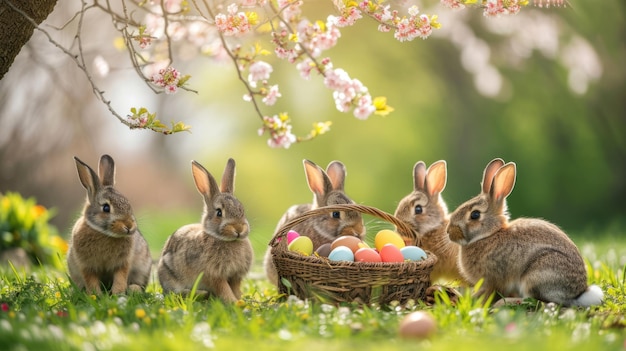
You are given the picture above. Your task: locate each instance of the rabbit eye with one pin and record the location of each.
(475, 214)
(336, 214)
(106, 208)
(418, 209)
(218, 212)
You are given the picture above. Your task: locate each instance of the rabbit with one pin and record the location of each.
(218, 247)
(328, 189)
(106, 248)
(522, 258)
(426, 212)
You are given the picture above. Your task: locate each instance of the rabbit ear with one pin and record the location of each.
(436, 178)
(489, 173)
(88, 178)
(419, 176)
(319, 183)
(228, 178)
(336, 171)
(106, 170)
(503, 183)
(206, 184)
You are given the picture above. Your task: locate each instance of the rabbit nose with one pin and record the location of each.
(129, 227)
(241, 230)
(455, 233)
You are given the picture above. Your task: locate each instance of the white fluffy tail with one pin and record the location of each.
(593, 296)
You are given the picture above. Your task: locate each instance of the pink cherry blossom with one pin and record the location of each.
(167, 78)
(305, 67)
(290, 9)
(248, 3)
(259, 70)
(171, 89)
(272, 95)
(364, 107)
(494, 8)
(348, 17)
(233, 23)
(279, 130)
(453, 4)
(424, 29)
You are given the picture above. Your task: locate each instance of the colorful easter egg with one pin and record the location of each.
(302, 245)
(351, 242)
(324, 250)
(417, 325)
(413, 253)
(387, 236)
(341, 253)
(292, 234)
(363, 244)
(391, 253)
(366, 254)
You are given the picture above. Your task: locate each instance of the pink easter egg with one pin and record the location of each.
(366, 254)
(391, 253)
(292, 234)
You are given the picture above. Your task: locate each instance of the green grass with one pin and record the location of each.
(41, 310)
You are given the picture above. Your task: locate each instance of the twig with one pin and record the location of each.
(79, 63)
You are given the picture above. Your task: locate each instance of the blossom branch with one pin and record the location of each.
(295, 40)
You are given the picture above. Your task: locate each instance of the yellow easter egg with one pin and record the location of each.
(363, 245)
(387, 236)
(302, 245)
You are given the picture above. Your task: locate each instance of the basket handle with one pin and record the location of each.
(403, 228)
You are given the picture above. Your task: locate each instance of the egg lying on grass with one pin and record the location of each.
(417, 325)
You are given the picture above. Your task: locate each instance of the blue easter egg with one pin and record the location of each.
(413, 253)
(341, 253)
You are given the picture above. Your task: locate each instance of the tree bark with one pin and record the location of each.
(16, 30)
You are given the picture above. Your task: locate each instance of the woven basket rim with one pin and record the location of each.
(430, 259)
(404, 229)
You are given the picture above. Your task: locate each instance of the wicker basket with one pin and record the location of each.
(313, 277)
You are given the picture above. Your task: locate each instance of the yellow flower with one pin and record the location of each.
(38, 210)
(253, 18)
(140, 313)
(382, 108)
(320, 128)
(59, 243)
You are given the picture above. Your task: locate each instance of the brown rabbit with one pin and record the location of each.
(328, 189)
(218, 248)
(425, 210)
(106, 248)
(522, 258)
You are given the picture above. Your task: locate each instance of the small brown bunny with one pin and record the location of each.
(426, 212)
(328, 189)
(106, 249)
(218, 248)
(523, 258)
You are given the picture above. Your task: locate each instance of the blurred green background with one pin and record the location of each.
(558, 110)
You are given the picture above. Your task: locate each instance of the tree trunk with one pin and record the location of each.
(16, 29)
